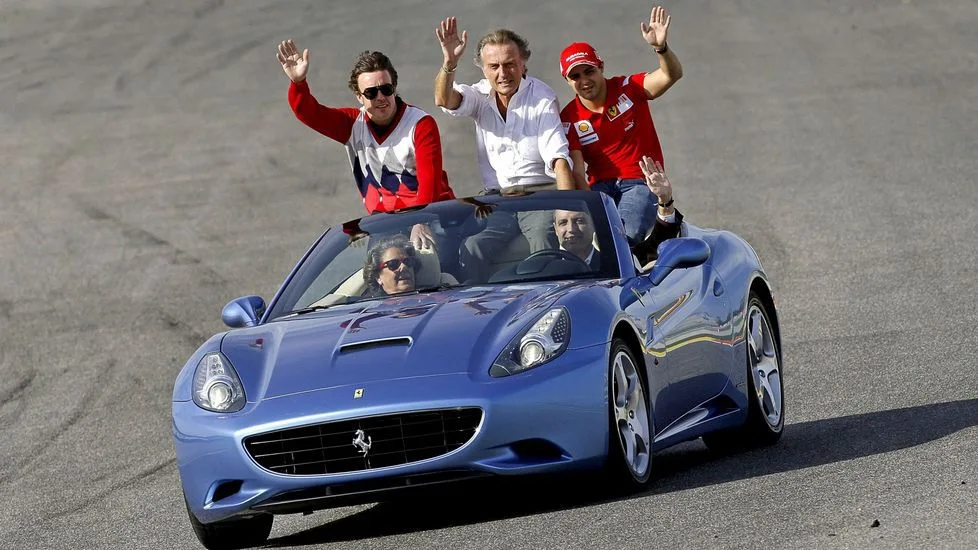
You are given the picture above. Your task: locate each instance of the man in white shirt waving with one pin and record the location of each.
(521, 141)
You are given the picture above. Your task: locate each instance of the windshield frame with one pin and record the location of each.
(337, 238)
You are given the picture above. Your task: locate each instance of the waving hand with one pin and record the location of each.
(294, 65)
(452, 46)
(655, 32)
(655, 178)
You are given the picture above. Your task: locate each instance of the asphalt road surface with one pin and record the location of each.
(152, 171)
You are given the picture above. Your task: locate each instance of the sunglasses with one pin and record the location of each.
(395, 264)
(371, 92)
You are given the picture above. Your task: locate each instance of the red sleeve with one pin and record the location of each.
(427, 153)
(333, 123)
(573, 142)
(635, 87)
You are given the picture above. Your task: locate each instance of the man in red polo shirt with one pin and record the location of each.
(609, 125)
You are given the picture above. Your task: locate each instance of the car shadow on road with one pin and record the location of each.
(686, 466)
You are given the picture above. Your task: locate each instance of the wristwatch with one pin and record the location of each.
(668, 204)
(665, 48)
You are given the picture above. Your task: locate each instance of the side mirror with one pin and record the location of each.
(678, 253)
(243, 312)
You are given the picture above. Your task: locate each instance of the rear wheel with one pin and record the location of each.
(234, 533)
(631, 428)
(765, 392)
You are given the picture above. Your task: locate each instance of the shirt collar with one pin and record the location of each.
(589, 256)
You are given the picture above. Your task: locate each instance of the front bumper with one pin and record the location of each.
(550, 419)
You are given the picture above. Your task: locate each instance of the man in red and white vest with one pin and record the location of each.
(394, 148)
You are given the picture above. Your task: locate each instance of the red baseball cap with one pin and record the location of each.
(576, 54)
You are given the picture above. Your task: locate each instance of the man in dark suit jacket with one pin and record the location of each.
(575, 229)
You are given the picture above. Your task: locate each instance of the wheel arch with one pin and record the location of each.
(625, 332)
(760, 287)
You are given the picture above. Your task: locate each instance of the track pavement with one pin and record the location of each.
(152, 171)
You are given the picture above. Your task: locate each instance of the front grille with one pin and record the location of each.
(330, 448)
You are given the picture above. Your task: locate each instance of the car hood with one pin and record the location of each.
(447, 332)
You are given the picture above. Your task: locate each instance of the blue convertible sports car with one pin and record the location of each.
(378, 367)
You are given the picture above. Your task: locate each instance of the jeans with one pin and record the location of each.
(636, 205)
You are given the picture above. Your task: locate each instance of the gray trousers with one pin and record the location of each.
(500, 230)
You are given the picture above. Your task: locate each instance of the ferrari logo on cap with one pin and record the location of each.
(358, 393)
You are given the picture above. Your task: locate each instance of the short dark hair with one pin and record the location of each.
(371, 265)
(368, 62)
(585, 211)
(503, 36)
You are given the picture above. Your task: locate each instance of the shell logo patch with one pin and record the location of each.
(585, 132)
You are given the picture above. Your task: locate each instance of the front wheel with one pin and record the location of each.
(765, 391)
(234, 533)
(631, 428)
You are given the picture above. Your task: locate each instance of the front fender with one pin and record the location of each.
(182, 386)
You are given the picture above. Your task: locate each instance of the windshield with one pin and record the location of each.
(551, 235)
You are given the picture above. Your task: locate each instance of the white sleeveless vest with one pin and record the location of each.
(388, 165)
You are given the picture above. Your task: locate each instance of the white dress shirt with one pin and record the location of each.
(522, 148)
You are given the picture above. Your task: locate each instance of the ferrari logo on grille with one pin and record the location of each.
(362, 442)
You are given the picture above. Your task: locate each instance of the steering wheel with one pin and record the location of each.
(534, 263)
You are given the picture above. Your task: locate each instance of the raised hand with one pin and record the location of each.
(655, 178)
(452, 47)
(294, 65)
(422, 237)
(655, 32)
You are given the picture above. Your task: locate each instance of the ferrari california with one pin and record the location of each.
(379, 367)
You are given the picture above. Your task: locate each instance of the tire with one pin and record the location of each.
(631, 429)
(232, 534)
(765, 386)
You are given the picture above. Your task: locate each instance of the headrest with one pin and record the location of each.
(429, 274)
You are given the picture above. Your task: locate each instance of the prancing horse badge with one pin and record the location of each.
(358, 393)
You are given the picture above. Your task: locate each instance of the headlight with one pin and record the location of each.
(216, 385)
(545, 339)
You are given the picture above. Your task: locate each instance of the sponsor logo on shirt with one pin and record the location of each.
(585, 132)
(623, 105)
(566, 126)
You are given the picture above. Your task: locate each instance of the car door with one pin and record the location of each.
(686, 325)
